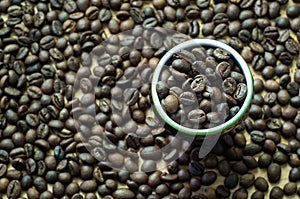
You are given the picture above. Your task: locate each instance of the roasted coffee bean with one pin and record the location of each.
(208, 177)
(192, 12)
(293, 11)
(290, 188)
(274, 172)
(292, 46)
(123, 193)
(14, 189)
(294, 174)
(224, 167)
(3, 156)
(151, 152)
(137, 15)
(222, 191)
(3, 169)
(276, 192)
(231, 181)
(247, 180)
(280, 157)
(202, 3)
(194, 29)
(196, 168)
(252, 149)
(261, 184)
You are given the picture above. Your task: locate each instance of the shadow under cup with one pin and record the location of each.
(227, 125)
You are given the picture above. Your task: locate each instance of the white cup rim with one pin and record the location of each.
(205, 43)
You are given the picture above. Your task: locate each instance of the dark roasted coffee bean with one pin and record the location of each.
(3, 169)
(208, 177)
(137, 15)
(276, 192)
(224, 167)
(14, 189)
(192, 12)
(187, 98)
(261, 184)
(257, 195)
(257, 136)
(123, 193)
(196, 168)
(222, 191)
(280, 157)
(290, 188)
(30, 166)
(286, 58)
(220, 30)
(202, 3)
(252, 149)
(294, 174)
(250, 162)
(194, 29)
(151, 152)
(258, 62)
(240, 168)
(247, 180)
(3, 156)
(231, 181)
(274, 172)
(293, 11)
(292, 46)
(47, 42)
(240, 193)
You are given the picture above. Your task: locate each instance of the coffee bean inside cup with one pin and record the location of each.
(201, 75)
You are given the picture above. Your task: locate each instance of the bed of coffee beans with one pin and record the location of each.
(202, 88)
(45, 47)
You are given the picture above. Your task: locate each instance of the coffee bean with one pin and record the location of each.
(274, 172)
(151, 152)
(123, 193)
(187, 98)
(261, 184)
(292, 46)
(202, 3)
(247, 180)
(88, 186)
(14, 189)
(231, 181)
(224, 167)
(162, 190)
(240, 168)
(171, 103)
(250, 162)
(208, 177)
(3, 169)
(194, 28)
(290, 188)
(280, 158)
(136, 15)
(293, 11)
(222, 191)
(294, 174)
(257, 136)
(252, 149)
(276, 192)
(3, 156)
(148, 166)
(47, 42)
(192, 12)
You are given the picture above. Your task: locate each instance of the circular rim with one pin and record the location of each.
(210, 43)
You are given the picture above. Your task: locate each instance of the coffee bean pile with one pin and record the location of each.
(46, 152)
(202, 88)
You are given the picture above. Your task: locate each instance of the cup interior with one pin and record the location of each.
(193, 44)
